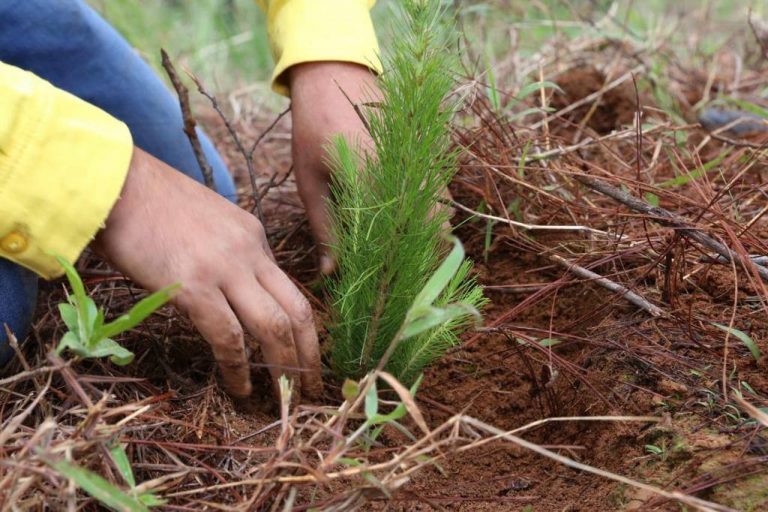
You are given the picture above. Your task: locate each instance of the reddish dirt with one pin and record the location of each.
(608, 111)
(612, 361)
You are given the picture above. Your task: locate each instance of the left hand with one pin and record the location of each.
(320, 111)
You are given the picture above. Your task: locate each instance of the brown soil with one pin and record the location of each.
(609, 111)
(610, 360)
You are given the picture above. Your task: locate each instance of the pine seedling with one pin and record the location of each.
(387, 222)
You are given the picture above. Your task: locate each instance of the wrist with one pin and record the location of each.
(353, 78)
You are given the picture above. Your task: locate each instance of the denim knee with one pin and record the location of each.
(71, 46)
(18, 296)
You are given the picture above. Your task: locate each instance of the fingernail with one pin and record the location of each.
(327, 264)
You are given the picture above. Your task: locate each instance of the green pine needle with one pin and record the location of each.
(389, 230)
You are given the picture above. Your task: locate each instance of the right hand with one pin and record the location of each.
(167, 228)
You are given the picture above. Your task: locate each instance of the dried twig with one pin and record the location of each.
(532, 227)
(248, 157)
(613, 286)
(189, 121)
(666, 218)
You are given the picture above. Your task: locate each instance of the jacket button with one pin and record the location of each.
(14, 242)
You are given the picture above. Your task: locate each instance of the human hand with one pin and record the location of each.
(321, 111)
(167, 228)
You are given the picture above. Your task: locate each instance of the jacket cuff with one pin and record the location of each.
(315, 31)
(63, 163)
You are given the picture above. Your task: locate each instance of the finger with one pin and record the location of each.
(299, 312)
(218, 324)
(266, 320)
(314, 192)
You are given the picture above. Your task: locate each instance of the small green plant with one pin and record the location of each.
(386, 218)
(742, 337)
(375, 421)
(87, 335)
(657, 450)
(106, 493)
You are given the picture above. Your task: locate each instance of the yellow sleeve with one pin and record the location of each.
(62, 166)
(319, 30)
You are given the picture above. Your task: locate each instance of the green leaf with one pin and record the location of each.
(350, 389)
(684, 179)
(86, 308)
(150, 499)
(441, 277)
(743, 337)
(91, 318)
(74, 281)
(120, 458)
(99, 322)
(749, 388)
(396, 414)
(71, 341)
(349, 462)
(493, 92)
(68, 313)
(99, 488)
(535, 87)
(651, 198)
(118, 354)
(401, 410)
(652, 448)
(428, 318)
(371, 402)
(138, 312)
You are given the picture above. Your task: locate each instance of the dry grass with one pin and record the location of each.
(521, 176)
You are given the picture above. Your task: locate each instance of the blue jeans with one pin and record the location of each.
(70, 45)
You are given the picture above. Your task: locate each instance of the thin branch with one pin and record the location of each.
(355, 106)
(666, 218)
(625, 292)
(189, 121)
(530, 227)
(236, 138)
(267, 130)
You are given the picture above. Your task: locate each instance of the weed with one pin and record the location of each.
(742, 337)
(87, 335)
(106, 493)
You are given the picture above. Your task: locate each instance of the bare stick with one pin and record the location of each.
(531, 227)
(674, 495)
(756, 259)
(189, 121)
(355, 106)
(613, 286)
(267, 130)
(232, 133)
(665, 218)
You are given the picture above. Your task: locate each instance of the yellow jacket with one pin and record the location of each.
(63, 161)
